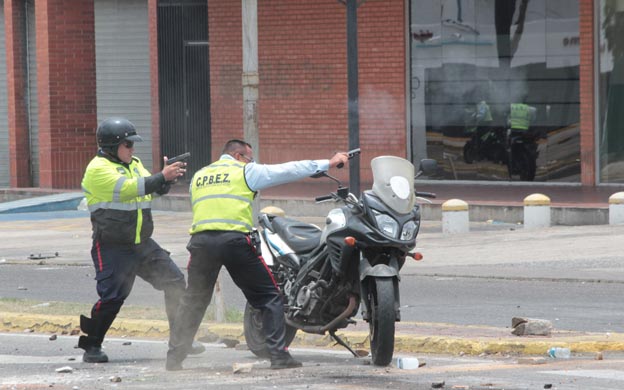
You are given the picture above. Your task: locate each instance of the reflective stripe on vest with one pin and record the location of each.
(520, 116)
(111, 186)
(221, 199)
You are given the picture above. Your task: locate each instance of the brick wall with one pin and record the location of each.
(16, 87)
(226, 56)
(587, 80)
(66, 90)
(302, 106)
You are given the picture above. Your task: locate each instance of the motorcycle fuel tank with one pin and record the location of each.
(336, 219)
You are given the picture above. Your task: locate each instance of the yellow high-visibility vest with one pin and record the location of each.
(221, 199)
(520, 116)
(115, 194)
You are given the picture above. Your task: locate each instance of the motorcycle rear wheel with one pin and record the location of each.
(382, 319)
(254, 334)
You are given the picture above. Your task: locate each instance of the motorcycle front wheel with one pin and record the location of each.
(382, 318)
(254, 334)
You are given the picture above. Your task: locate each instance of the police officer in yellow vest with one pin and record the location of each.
(520, 116)
(119, 191)
(221, 197)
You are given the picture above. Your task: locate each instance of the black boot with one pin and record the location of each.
(96, 329)
(283, 360)
(93, 350)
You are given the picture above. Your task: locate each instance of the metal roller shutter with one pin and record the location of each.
(123, 67)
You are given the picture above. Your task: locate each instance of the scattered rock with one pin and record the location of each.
(53, 337)
(548, 386)
(208, 338)
(65, 370)
(74, 332)
(71, 359)
(241, 368)
(531, 360)
(22, 288)
(28, 330)
(598, 356)
(115, 379)
(531, 327)
(438, 385)
(127, 343)
(230, 343)
(362, 352)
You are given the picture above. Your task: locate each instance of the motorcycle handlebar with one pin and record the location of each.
(322, 198)
(426, 194)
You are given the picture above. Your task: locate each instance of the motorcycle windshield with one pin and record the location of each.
(393, 182)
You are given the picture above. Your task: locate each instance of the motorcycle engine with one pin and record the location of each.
(308, 298)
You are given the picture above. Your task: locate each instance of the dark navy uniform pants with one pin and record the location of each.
(117, 266)
(209, 251)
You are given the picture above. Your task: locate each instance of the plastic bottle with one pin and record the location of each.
(559, 352)
(407, 363)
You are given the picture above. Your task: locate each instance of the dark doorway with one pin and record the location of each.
(184, 81)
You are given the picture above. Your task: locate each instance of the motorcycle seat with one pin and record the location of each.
(300, 236)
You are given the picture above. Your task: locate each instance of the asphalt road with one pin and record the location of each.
(30, 361)
(569, 304)
(571, 275)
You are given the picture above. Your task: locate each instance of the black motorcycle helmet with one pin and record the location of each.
(113, 131)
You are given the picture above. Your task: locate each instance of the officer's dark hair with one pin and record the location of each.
(234, 145)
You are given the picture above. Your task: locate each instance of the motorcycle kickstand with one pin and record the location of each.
(340, 341)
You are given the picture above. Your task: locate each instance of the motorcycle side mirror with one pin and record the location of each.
(428, 166)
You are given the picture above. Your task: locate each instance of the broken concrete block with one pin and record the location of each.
(241, 368)
(531, 327)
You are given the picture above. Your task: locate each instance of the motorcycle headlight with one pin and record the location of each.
(409, 231)
(386, 224)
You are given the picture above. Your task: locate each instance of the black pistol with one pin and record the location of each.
(351, 153)
(181, 157)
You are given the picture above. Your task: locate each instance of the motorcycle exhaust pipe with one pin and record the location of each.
(318, 329)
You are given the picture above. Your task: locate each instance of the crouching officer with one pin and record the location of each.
(118, 190)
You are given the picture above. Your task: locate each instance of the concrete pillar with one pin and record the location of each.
(536, 211)
(66, 88)
(616, 209)
(455, 216)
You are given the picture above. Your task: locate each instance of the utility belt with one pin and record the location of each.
(254, 236)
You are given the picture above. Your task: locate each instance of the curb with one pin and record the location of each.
(404, 342)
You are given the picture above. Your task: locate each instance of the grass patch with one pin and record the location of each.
(26, 306)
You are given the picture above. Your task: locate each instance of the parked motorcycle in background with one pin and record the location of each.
(325, 274)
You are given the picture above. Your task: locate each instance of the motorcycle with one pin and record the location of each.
(326, 274)
(521, 149)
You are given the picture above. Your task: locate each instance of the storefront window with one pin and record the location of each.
(495, 88)
(611, 92)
